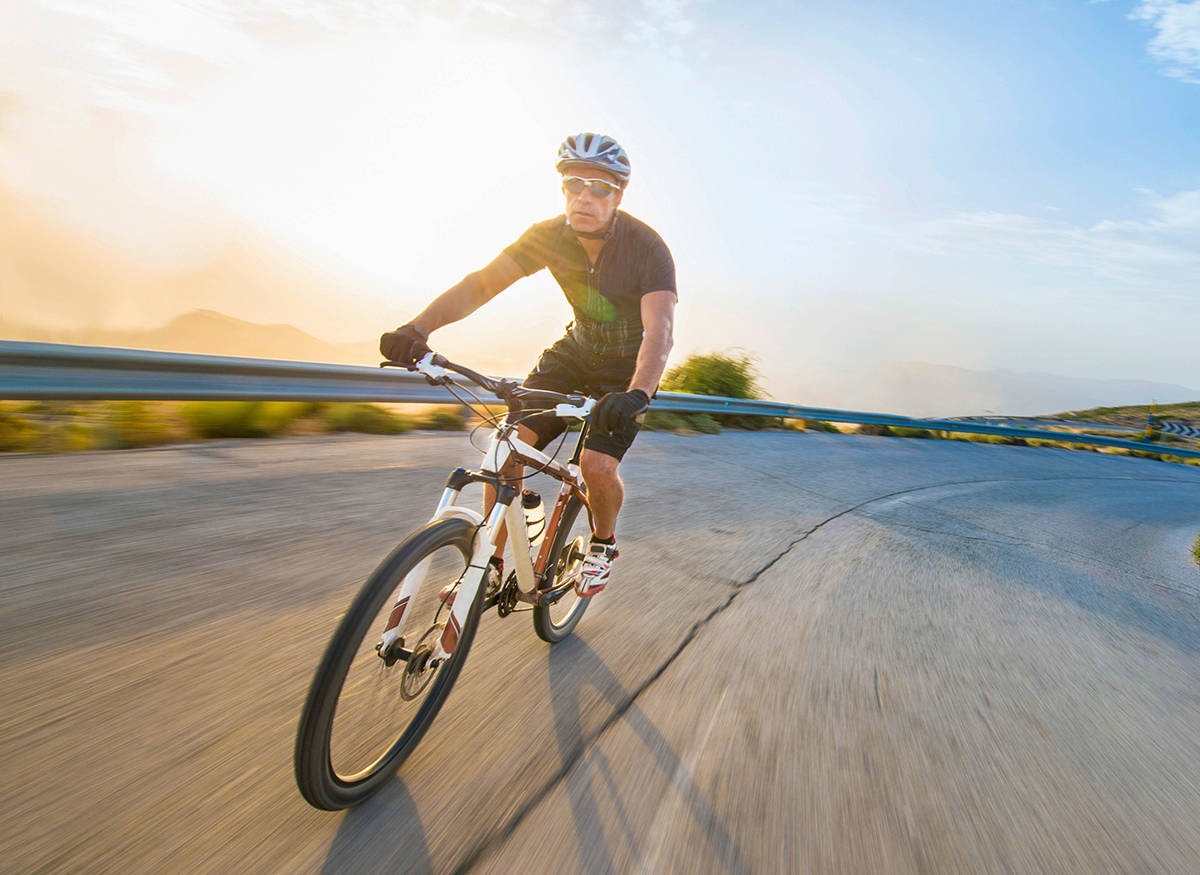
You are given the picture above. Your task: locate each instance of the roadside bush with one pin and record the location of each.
(1000, 439)
(18, 435)
(821, 425)
(1196, 551)
(129, 424)
(908, 432)
(364, 418)
(665, 420)
(73, 437)
(52, 408)
(719, 374)
(442, 419)
(876, 430)
(714, 374)
(242, 419)
(223, 419)
(669, 420)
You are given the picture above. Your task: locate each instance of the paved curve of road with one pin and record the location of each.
(821, 653)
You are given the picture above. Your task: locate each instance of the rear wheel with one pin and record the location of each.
(555, 622)
(368, 705)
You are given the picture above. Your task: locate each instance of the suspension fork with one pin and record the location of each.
(475, 574)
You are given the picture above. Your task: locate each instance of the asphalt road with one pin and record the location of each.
(820, 653)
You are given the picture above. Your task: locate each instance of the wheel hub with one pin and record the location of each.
(420, 669)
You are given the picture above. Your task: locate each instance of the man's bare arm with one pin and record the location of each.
(658, 323)
(475, 290)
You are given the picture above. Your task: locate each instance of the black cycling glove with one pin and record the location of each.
(405, 345)
(615, 412)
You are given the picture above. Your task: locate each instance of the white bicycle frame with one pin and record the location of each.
(503, 517)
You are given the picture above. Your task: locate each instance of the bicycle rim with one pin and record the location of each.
(366, 714)
(555, 622)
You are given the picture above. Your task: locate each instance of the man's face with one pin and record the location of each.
(586, 211)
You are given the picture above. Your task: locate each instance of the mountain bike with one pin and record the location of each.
(401, 645)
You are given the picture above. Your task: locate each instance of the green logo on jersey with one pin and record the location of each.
(588, 302)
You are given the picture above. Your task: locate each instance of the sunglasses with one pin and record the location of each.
(601, 188)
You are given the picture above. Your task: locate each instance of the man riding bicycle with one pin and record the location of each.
(619, 277)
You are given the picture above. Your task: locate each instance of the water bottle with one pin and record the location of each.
(535, 516)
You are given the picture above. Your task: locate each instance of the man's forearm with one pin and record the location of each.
(475, 290)
(457, 302)
(651, 362)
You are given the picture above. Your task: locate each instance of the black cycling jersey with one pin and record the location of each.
(633, 262)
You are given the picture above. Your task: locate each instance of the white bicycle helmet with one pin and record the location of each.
(595, 150)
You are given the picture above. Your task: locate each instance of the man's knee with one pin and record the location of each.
(595, 464)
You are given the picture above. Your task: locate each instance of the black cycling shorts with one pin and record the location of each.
(573, 366)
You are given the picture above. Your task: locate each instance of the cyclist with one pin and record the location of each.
(619, 277)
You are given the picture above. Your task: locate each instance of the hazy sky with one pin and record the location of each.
(985, 184)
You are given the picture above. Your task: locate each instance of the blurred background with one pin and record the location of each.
(932, 209)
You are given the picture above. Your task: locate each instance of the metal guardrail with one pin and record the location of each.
(49, 371)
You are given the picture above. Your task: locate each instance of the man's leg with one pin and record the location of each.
(606, 492)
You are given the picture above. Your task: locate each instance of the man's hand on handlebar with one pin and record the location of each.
(407, 345)
(616, 411)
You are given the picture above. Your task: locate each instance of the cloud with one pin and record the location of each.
(1158, 255)
(1176, 43)
(146, 56)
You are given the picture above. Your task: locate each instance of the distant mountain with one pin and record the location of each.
(212, 333)
(56, 275)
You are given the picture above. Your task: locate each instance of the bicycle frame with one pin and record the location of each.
(506, 515)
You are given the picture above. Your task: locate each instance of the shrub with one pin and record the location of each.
(442, 419)
(223, 419)
(129, 424)
(1196, 550)
(242, 419)
(908, 432)
(704, 423)
(871, 428)
(1001, 439)
(73, 437)
(821, 425)
(17, 434)
(714, 374)
(52, 408)
(665, 420)
(365, 418)
(719, 374)
(276, 417)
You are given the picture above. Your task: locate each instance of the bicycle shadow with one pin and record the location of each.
(391, 820)
(574, 666)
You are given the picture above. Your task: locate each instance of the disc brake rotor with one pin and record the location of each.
(417, 672)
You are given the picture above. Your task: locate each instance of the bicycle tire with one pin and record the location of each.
(555, 622)
(322, 783)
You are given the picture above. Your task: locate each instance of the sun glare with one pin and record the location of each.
(398, 160)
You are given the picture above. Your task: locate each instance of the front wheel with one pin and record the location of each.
(369, 705)
(555, 622)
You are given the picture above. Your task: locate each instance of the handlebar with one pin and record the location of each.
(434, 367)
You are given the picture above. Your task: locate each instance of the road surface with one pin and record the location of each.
(820, 653)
